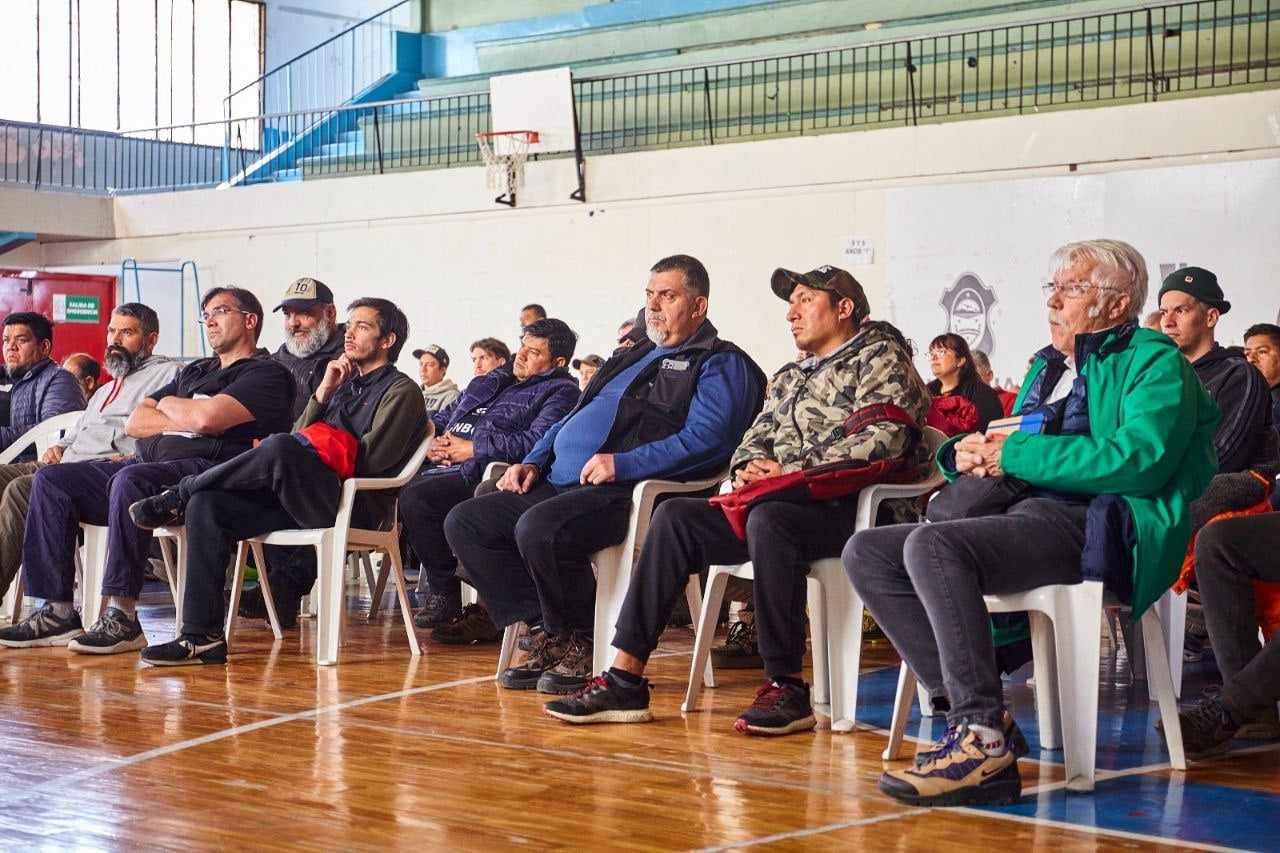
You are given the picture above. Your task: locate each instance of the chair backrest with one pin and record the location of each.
(411, 467)
(42, 435)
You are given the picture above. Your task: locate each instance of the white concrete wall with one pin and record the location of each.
(462, 266)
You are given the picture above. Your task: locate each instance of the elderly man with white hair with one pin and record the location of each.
(1100, 492)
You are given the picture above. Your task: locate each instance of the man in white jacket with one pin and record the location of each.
(132, 333)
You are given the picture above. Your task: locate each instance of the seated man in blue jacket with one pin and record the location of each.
(674, 406)
(499, 418)
(39, 388)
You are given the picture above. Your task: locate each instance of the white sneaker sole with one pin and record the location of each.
(643, 715)
(136, 644)
(56, 640)
(802, 725)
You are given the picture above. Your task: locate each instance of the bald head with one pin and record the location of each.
(86, 370)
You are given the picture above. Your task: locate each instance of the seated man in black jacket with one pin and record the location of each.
(363, 404)
(213, 411)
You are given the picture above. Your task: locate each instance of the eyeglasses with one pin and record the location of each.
(220, 311)
(1071, 289)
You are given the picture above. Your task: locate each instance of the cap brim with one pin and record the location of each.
(299, 304)
(419, 353)
(783, 282)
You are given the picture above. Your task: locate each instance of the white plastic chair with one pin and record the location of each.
(42, 435)
(835, 610)
(1066, 640)
(613, 570)
(91, 560)
(332, 546)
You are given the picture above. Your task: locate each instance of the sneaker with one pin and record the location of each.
(572, 672)
(253, 605)
(1263, 726)
(544, 652)
(525, 643)
(42, 628)
(472, 625)
(1012, 736)
(604, 699)
(1207, 729)
(780, 708)
(441, 608)
(113, 633)
(187, 650)
(739, 650)
(162, 510)
(961, 771)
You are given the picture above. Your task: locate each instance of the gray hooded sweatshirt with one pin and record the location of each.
(100, 430)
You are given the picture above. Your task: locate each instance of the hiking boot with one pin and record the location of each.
(739, 650)
(961, 771)
(1012, 735)
(1261, 726)
(544, 652)
(604, 699)
(472, 625)
(187, 650)
(1207, 729)
(780, 708)
(113, 633)
(441, 608)
(162, 510)
(42, 628)
(572, 672)
(525, 643)
(253, 605)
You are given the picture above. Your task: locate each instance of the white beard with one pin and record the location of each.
(312, 343)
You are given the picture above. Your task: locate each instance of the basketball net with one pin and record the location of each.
(505, 153)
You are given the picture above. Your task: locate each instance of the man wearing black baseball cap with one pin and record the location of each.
(438, 391)
(1191, 303)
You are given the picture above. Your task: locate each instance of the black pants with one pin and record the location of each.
(424, 503)
(1230, 555)
(278, 485)
(529, 555)
(687, 535)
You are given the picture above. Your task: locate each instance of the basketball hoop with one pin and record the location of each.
(505, 152)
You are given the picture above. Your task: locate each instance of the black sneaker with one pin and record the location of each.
(253, 604)
(1207, 729)
(544, 652)
(113, 633)
(187, 650)
(739, 650)
(473, 625)
(441, 608)
(604, 699)
(42, 628)
(780, 708)
(162, 510)
(572, 672)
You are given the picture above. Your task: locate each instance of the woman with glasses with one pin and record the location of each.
(956, 375)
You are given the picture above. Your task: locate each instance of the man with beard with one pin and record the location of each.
(312, 336)
(132, 332)
(39, 389)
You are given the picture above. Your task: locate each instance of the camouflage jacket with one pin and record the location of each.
(806, 405)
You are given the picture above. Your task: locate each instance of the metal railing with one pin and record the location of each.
(335, 71)
(1144, 54)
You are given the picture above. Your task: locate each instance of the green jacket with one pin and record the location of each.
(1151, 427)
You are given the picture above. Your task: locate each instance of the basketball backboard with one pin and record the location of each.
(541, 101)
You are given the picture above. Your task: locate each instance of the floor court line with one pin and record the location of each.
(817, 830)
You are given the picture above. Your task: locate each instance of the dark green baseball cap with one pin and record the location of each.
(1197, 282)
(825, 277)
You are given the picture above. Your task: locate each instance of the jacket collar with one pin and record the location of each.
(1102, 343)
(33, 371)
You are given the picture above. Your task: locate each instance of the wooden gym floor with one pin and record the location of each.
(382, 751)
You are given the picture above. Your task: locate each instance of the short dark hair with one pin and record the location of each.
(36, 322)
(536, 309)
(144, 314)
(86, 364)
(695, 274)
(1267, 330)
(391, 320)
(560, 338)
(245, 301)
(493, 346)
(960, 348)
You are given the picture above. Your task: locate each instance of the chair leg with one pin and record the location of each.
(1077, 632)
(700, 667)
(268, 597)
(1162, 684)
(844, 646)
(14, 597)
(693, 597)
(510, 637)
(330, 594)
(94, 567)
(611, 587)
(237, 583)
(1172, 610)
(376, 581)
(819, 648)
(1045, 661)
(392, 556)
(901, 710)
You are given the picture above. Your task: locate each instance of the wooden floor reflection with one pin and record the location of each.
(383, 751)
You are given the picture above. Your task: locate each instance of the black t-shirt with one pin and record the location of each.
(259, 383)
